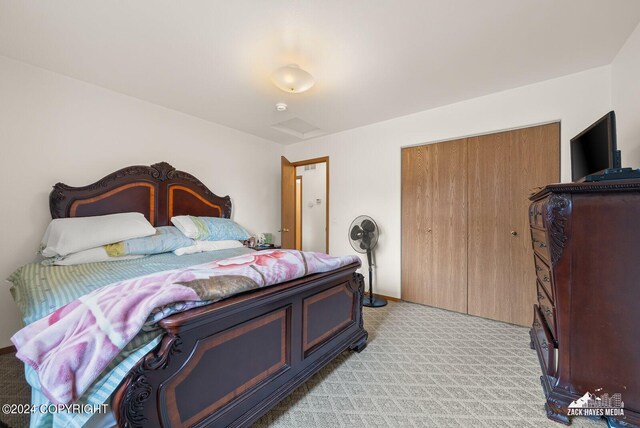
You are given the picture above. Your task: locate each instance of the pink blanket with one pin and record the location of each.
(70, 347)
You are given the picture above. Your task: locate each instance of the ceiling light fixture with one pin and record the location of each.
(291, 78)
(281, 107)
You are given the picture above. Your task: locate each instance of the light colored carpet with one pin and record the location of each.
(424, 367)
(13, 389)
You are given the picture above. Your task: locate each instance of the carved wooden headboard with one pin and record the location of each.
(158, 191)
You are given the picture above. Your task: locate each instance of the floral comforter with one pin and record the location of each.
(70, 347)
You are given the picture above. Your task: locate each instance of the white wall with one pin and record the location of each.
(625, 71)
(365, 162)
(54, 128)
(314, 215)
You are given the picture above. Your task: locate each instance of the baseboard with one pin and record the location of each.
(8, 350)
(389, 298)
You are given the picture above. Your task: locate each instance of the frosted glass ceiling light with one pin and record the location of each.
(292, 79)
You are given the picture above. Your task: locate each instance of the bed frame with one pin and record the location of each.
(227, 363)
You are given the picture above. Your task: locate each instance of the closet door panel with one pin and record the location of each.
(488, 242)
(534, 162)
(448, 286)
(416, 221)
(434, 225)
(503, 169)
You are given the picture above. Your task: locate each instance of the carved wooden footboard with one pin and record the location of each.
(228, 363)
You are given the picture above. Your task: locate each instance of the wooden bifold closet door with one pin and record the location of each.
(434, 225)
(465, 242)
(503, 168)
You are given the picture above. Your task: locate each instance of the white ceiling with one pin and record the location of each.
(373, 59)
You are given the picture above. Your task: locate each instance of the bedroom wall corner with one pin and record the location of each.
(54, 128)
(625, 95)
(576, 100)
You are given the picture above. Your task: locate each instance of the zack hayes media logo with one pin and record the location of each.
(592, 405)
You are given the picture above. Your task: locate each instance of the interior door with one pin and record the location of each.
(503, 168)
(288, 204)
(434, 225)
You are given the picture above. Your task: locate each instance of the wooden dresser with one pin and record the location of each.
(586, 325)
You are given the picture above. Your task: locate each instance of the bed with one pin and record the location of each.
(225, 363)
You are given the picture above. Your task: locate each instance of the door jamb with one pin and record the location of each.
(322, 159)
(298, 203)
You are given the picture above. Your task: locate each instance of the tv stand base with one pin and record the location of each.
(613, 174)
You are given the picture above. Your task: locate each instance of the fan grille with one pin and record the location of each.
(363, 234)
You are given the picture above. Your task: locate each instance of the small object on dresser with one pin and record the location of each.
(259, 247)
(265, 238)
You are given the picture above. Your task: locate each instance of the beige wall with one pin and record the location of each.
(54, 128)
(626, 99)
(372, 186)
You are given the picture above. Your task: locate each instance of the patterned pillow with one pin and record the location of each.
(166, 239)
(210, 228)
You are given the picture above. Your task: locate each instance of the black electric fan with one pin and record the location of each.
(363, 236)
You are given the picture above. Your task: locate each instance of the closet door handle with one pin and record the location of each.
(514, 233)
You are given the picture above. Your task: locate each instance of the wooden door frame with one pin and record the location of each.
(298, 177)
(312, 161)
(287, 203)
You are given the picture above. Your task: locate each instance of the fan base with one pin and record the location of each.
(374, 301)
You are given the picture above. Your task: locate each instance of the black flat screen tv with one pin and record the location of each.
(595, 148)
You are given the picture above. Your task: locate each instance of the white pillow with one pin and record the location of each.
(204, 246)
(92, 255)
(185, 225)
(70, 235)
